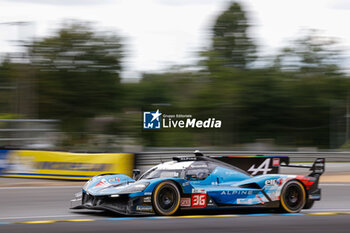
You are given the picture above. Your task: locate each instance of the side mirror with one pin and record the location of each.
(136, 173)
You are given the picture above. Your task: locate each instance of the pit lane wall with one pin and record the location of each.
(63, 165)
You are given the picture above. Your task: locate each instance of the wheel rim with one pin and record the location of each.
(167, 199)
(293, 197)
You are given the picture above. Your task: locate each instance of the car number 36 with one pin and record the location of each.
(199, 200)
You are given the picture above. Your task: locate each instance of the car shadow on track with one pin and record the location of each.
(110, 214)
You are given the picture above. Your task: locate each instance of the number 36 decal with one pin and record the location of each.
(199, 200)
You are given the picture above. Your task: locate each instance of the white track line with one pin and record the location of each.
(334, 184)
(44, 216)
(77, 215)
(326, 210)
(40, 187)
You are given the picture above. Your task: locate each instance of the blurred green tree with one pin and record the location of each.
(78, 74)
(231, 44)
(7, 87)
(311, 54)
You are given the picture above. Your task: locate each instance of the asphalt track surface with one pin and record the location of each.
(46, 209)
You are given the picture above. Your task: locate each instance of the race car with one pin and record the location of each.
(202, 182)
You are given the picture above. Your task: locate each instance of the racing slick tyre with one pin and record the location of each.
(309, 204)
(166, 198)
(293, 197)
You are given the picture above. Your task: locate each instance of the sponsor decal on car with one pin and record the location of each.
(314, 196)
(210, 202)
(244, 201)
(102, 182)
(199, 200)
(147, 199)
(144, 208)
(264, 168)
(275, 195)
(276, 162)
(273, 182)
(198, 191)
(115, 179)
(198, 165)
(185, 184)
(238, 192)
(185, 202)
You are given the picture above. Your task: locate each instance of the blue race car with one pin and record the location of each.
(201, 182)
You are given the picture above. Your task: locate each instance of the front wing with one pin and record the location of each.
(121, 204)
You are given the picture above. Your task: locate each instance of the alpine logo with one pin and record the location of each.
(264, 168)
(237, 192)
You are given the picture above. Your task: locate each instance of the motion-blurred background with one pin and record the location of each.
(76, 75)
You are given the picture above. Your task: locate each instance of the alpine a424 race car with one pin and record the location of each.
(202, 182)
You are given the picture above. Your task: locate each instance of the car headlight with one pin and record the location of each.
(135, 188)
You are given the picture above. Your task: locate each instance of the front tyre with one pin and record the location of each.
(166, 198)
(293, 197)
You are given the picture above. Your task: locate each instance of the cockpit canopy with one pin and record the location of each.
(190, 170)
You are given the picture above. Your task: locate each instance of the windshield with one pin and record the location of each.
(160, 173)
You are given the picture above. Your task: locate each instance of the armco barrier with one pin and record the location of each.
(82, 166)
(145, 160)
(63, 165)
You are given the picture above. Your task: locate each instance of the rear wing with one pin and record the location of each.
(317, 168)
(255, 165)
(260, 164)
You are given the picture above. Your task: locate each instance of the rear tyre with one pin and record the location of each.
(166, 198)
(309, 204)
(293, 197)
